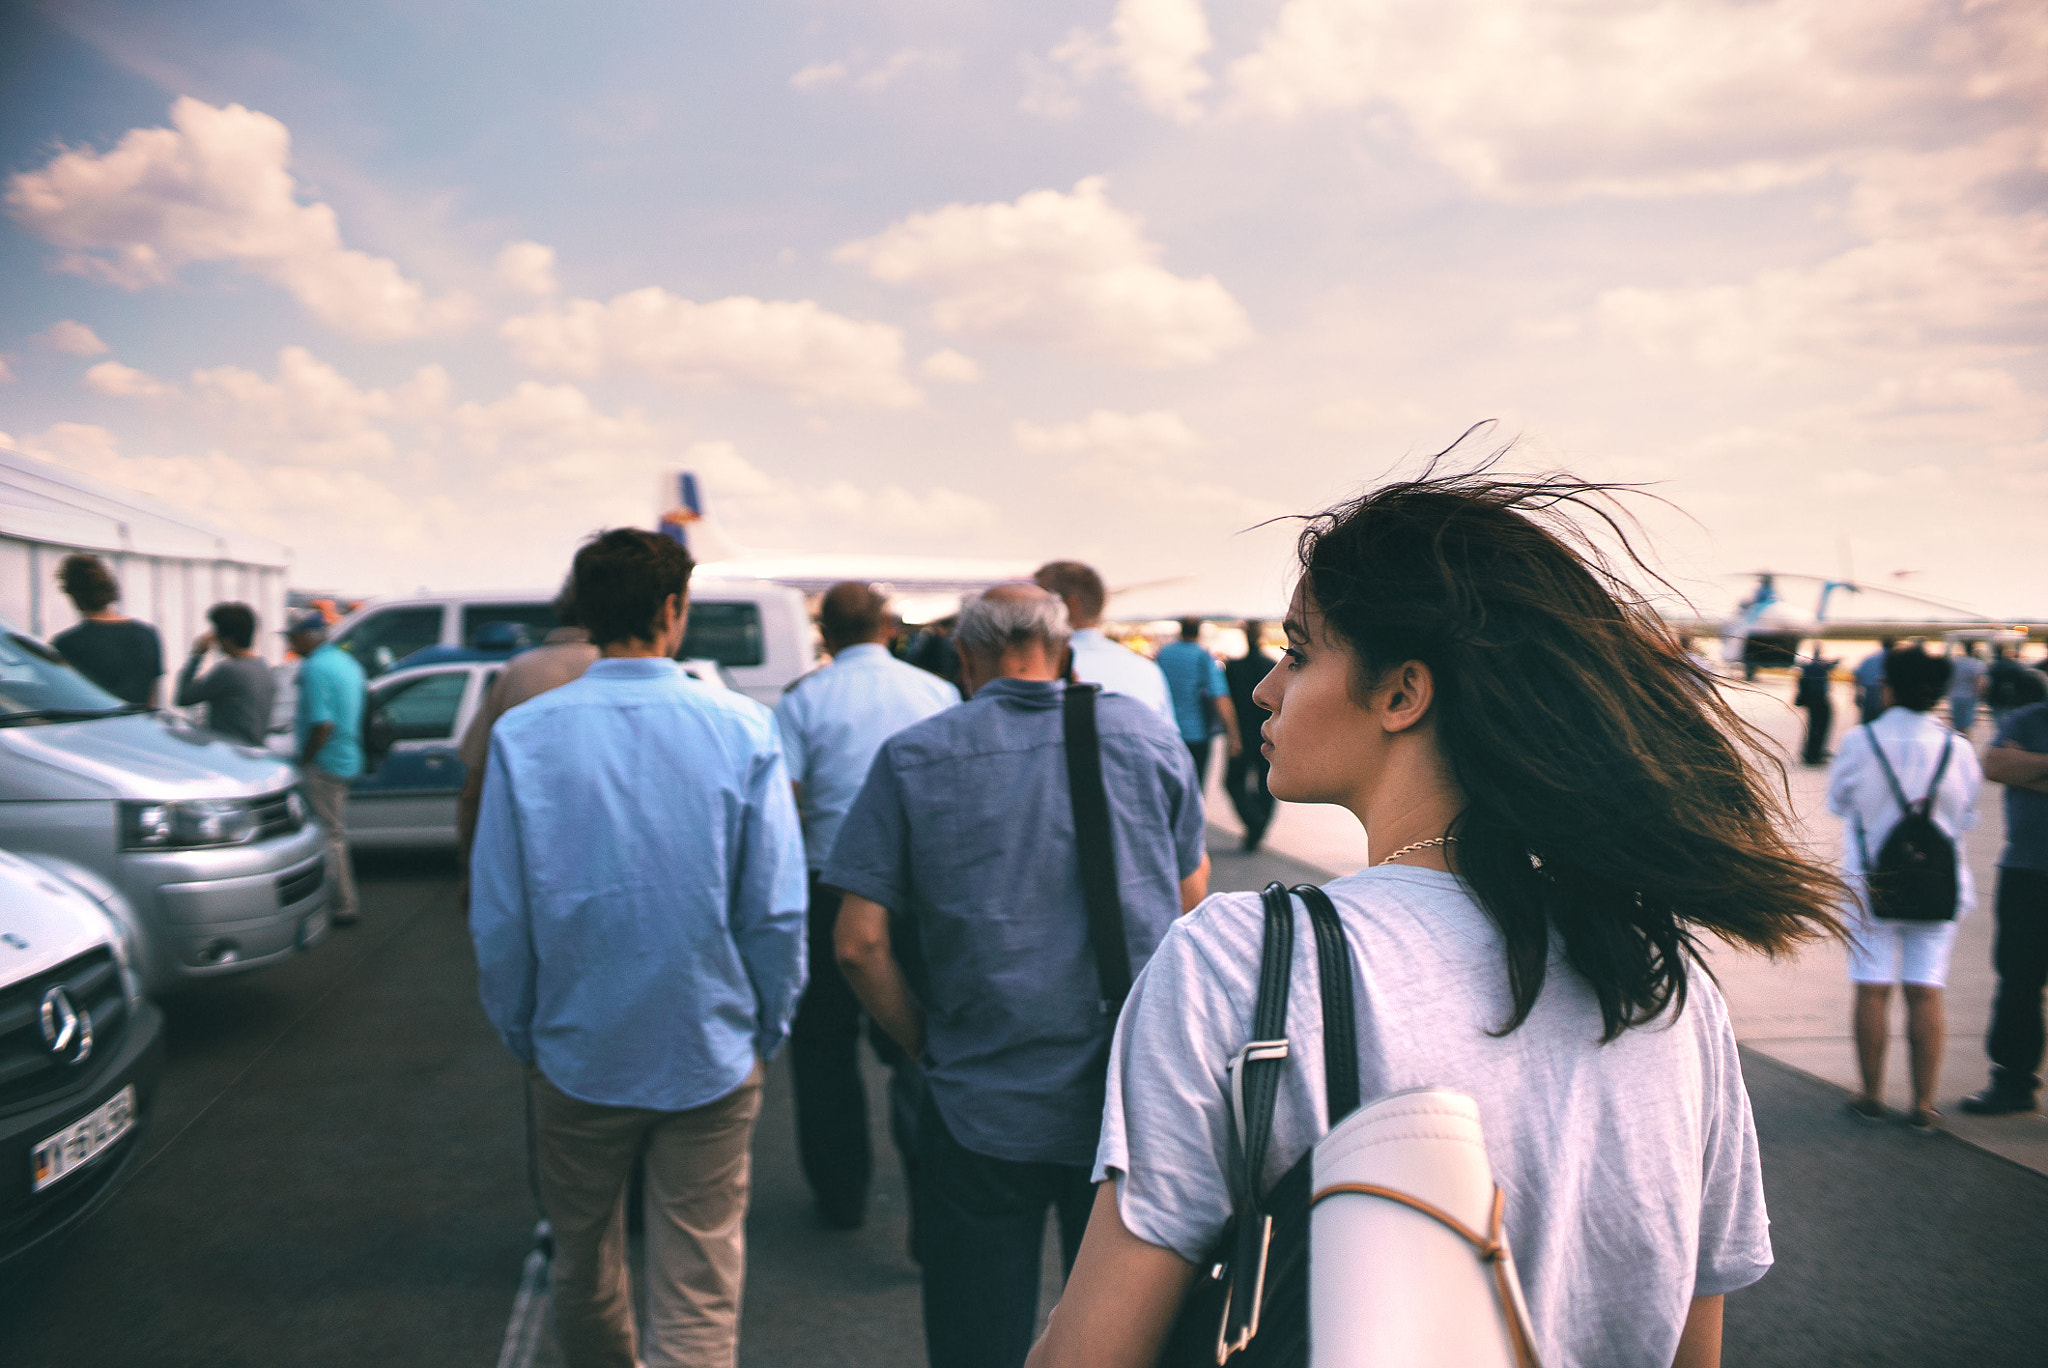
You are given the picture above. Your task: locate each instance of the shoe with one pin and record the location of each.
(1868, 1112)
(842, 1215)
(1997, 1101)
(1922, 1120)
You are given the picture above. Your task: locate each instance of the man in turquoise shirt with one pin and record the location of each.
(1195, 683)
(329, 728)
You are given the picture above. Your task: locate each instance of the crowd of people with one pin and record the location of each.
(986, 857)
(236, 697)
(988, 860)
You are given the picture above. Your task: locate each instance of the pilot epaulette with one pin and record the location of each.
(793, 684)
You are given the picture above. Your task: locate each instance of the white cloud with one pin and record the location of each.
(1148, 436)
(1649, 96)
(1947, 261)
(311, 413)
(950, 367)
(125, 382)
(7, 375)
(357, 519)
(1158, 46)
(217, 186)
(527, 266)
(1063, 270)
(788, 347)
(72, 338)
(871, 76)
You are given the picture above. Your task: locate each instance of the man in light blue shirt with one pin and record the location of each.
(328, 727)
(1201, 697)
(1095, 659)
(637, 902)
(832, 722)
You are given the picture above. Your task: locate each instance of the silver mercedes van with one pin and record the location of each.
(203, 849)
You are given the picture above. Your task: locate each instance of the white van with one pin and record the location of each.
(758, 632)
(80, 1053)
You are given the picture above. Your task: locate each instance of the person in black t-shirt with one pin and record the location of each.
(1245, 777)
(117, 653)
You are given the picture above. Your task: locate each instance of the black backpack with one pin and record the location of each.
(1914, 878)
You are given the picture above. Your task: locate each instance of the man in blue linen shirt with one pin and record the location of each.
(965, 829)
(832, 722)
(638, 909)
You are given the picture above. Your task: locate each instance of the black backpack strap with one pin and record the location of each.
(1092, 842)
(1340, 1019)
(1898, 791)
(1255, 1084)
(1934, 785)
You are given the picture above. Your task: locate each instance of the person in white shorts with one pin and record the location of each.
(1557, 815)
(1911, 954)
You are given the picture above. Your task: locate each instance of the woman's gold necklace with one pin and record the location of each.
(1419, 845)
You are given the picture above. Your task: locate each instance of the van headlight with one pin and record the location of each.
(189, 822)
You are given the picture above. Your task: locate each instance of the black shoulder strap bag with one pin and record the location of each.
(1094, 844)
(1250, 1298)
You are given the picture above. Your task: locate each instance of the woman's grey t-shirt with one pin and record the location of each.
(1630, 1168)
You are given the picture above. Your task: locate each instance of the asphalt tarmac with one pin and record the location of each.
(334, 1173)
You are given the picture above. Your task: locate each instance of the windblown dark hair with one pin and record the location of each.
(87, 581)
(1610, 796)
(622, 577)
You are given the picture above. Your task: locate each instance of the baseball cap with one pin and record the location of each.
(314, 622)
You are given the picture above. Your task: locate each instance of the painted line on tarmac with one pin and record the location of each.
(529, 1309)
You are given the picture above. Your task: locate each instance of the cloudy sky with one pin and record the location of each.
(427, 291)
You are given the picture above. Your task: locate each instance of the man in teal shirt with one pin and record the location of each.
(329, 727)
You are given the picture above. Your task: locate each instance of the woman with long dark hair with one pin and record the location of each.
(1559, 809)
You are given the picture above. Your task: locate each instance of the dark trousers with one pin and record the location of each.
(824, 1066)
(1244, 779)
(1199, 751)
(983, 1235)
(2020, 955)
(1820, 726)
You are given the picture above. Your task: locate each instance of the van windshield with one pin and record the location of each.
(37, 686)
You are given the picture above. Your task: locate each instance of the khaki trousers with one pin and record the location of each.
(698, 1170)
(329, 797)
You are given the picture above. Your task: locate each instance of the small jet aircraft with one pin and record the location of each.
(1767, 630)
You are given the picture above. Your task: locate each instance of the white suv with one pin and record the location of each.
(757, 631)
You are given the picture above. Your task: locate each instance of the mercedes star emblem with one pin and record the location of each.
(66, 1030)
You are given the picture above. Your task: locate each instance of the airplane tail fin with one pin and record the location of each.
(684, 520)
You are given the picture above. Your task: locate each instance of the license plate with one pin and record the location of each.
(76, 1145)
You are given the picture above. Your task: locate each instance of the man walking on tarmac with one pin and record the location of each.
(637, 902)
(2018, 759)
(1097, 659)
(329, 732)
(832, 722)
(1245, 777)
(1011, 837)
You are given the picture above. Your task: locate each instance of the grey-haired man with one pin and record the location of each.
(964, 831)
